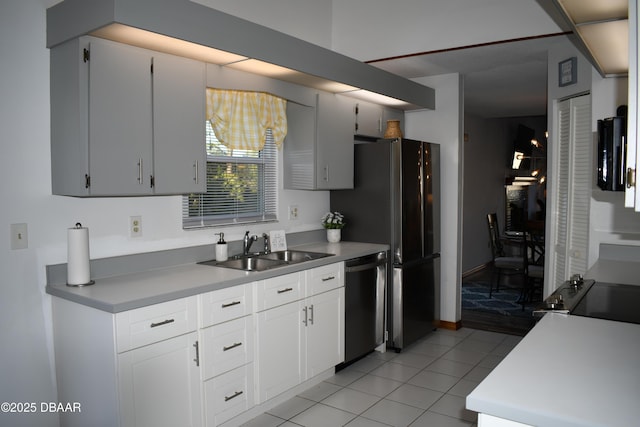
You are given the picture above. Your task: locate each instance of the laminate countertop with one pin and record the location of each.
(129, 291)
(567, 371)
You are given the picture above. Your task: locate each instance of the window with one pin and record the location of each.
(241, 186)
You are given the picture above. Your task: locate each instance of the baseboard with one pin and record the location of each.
(452, 326)
(476, 269)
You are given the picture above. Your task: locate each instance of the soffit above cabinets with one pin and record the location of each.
(189, 29)
(601, 30)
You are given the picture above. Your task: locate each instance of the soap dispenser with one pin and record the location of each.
(221, 248)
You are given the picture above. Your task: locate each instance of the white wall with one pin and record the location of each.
(486, 149)
(444, 126)
(25, 313)
(609, 222)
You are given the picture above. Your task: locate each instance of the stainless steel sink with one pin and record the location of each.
(261, 262)
(292, 256)
(246, 263)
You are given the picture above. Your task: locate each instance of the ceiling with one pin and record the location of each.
(505, 79)
(509, 78)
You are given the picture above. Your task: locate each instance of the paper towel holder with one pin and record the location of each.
(90, 282)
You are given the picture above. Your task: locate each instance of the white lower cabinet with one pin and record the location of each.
(159, 384)
(227, 369)
(200, 360)
(130, 369)
(324, 337)
(299, 340)
(228, 395)
(279, 346)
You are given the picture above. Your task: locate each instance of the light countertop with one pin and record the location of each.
(568, 371)
(615, 271)
(129, 291)
(616, 264)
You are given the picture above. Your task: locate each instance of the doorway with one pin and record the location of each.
(517, 196)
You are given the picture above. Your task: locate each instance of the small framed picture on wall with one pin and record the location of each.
(568, 72)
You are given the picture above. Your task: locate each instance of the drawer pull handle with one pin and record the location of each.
(233, 396)
(326, 279)
(164, 322)
(282, 291)
(234, 345)
(231, 304)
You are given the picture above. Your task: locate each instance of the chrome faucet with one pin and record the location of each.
(267, 246)
(248, 241)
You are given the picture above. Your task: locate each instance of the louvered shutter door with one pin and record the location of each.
(580, 185)
(573, 189)
(562, 192)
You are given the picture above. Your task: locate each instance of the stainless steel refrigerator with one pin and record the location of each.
(395, 200)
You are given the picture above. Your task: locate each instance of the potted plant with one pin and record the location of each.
(333, 222)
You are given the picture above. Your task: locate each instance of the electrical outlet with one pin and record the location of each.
(293, 211)
(135, 226)
(19, 236)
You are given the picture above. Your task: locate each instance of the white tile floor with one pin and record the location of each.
(424, 385)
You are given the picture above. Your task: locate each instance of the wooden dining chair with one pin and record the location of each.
(503, 264)
(533, 266)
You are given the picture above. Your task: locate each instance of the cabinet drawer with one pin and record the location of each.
(146, 325)
(325, 278)
(228, 395)
(279, 290)
(226, 346)
(225, 304)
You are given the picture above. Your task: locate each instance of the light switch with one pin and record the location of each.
(19, 236)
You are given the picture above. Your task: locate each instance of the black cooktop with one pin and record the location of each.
(610, 301)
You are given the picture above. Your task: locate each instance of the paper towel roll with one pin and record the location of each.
(78, 271)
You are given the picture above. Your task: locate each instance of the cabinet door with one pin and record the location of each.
(318, 152)
(334, 143)
(160, 384)
(120, 122)
(392, 114)
(325, 331)
(369, 119)
(279, 359)
(179, 158)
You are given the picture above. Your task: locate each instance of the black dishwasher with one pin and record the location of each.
(365, 288)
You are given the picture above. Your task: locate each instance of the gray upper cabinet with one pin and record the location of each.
(371, 119)
(125, 121)
(318, 149)
(179, 156)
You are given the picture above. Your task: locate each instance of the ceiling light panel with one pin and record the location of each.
(609, 44)
(366, 95)
(282, 73)
(160, 43)
(581, 11)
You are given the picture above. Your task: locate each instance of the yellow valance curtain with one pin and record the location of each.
(240, 119)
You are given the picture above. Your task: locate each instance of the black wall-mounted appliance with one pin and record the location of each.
(612, 153)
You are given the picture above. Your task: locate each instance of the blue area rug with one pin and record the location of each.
(475, 296)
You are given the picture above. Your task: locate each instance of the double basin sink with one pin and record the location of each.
(266, 261)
